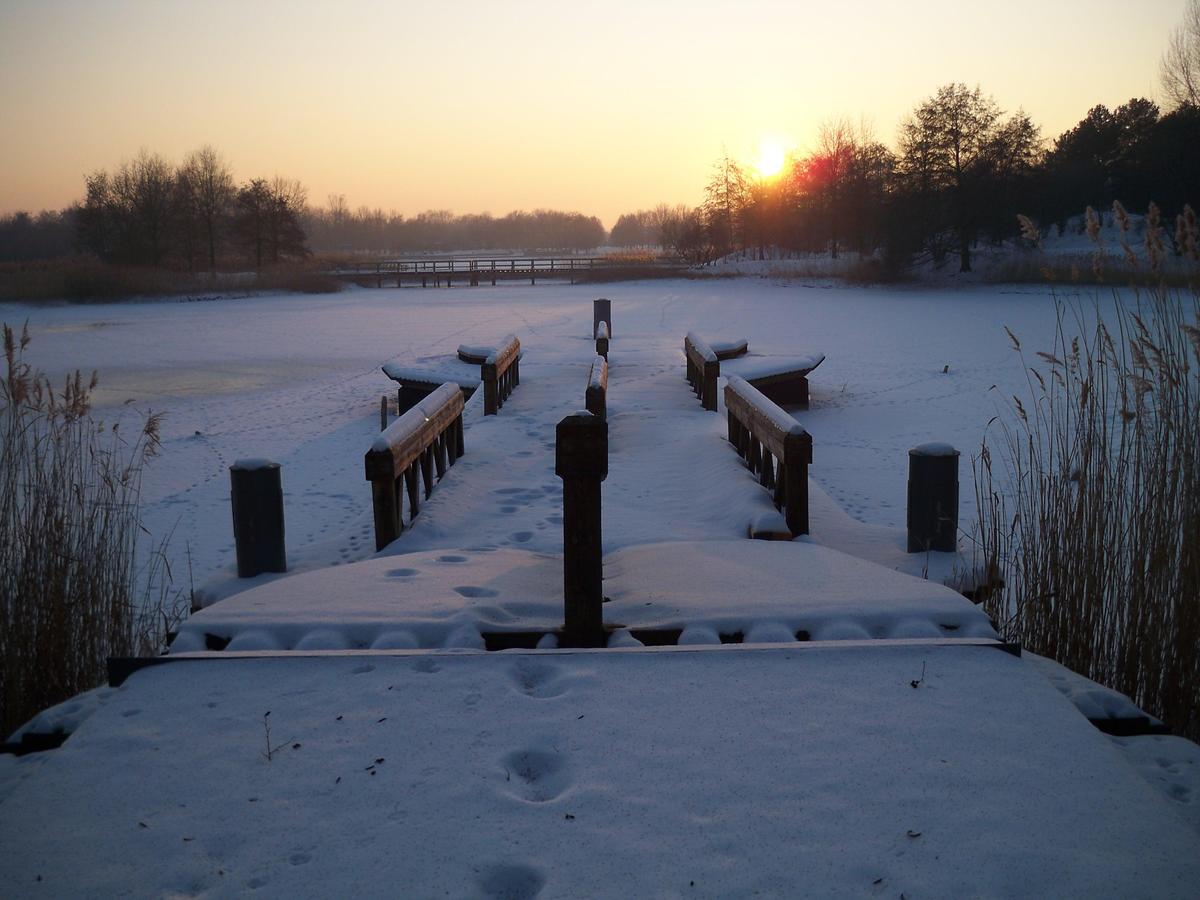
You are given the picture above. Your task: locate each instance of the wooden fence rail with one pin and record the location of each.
(596, 395)
(501, 373)
(428, 437)
(775, 446)
(702, 369)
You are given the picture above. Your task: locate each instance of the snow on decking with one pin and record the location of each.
(815, 771)
(767, 591)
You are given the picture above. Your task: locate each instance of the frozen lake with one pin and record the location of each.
(297, 379)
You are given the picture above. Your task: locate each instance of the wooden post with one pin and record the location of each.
(601, 312)
(581, 461)
(708, 395)
(256, 492)
(933, 498)
(491, 389)
(797, 457)
(383, 413)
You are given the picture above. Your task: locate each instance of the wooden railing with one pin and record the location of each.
(501, 373)
(702, 369)
(596, 395)
(775, 446)
(427, 437)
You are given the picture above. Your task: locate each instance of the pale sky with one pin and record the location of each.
(602, 108)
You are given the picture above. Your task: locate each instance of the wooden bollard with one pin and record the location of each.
(256, 492)
(581, 461)
(933, 498)
(601, 312)
(383, 413)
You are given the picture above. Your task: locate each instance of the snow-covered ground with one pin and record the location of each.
(868, 737)
(298, 380)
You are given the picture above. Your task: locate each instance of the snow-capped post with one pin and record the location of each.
(601, 312)
(602, 340)
(581, 461)
(256, 492)
(933, 498)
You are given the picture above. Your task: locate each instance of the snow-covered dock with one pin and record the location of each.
(824, 723)
(815, 770)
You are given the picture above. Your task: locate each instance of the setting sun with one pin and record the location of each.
(771, 157)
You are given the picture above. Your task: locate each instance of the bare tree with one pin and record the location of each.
(1179, 69)
(209, 192)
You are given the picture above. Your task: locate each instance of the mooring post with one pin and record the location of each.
(256, 492)
(383, 413)
(581, 461)
(601, 312)
(933, 498)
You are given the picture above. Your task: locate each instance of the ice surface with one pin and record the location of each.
(296, 379)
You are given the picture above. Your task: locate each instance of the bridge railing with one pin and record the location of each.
(499, 265)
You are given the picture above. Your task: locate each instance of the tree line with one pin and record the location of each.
(337, 229)
(192, 216)
(960, 173)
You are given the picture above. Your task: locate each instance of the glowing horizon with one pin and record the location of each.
(474, 107)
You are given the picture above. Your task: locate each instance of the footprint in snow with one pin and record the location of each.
(472, 591)
(401, 573)
(535, 678)
(426, 666)
(363, 669)
(536, 776)
(511, 881)
(521, 536)
(452, 558)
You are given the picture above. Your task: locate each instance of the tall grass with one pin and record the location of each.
(1089, 501)
(72, 592)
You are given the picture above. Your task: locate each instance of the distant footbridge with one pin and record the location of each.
(429, 272)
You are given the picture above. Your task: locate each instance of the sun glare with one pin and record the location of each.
(771, 157)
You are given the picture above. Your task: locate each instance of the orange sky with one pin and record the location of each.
(472, 106)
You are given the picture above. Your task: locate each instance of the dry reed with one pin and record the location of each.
(72, 591)
(1089, 513)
